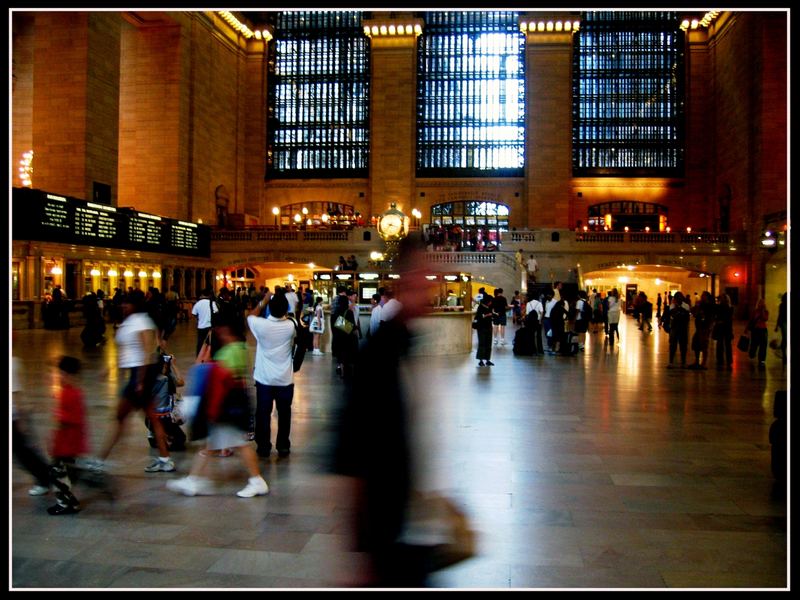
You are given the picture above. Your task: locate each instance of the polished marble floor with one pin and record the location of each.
(599, 471)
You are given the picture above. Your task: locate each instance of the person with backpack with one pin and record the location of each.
(582, 318)
(229, 409)
(202, 310)
(534, 310)
(273, 373)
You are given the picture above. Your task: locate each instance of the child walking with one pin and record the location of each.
(69, 437)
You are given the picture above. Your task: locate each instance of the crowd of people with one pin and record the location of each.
(282, 319)
(563, 324)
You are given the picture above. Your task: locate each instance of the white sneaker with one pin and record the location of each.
(160, 465)
(38, 490)
(256, 486)
(189, 486)
(317, 352)
(94, 465)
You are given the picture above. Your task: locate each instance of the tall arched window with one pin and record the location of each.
(471, 95)
(318, 119)
(627, 99)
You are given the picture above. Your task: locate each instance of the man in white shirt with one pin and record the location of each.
(391, 307)
(203, 309)
(549, 303)
(292, 299)
(532, 266)
(273, 373)
(375, 314)
(535, 307)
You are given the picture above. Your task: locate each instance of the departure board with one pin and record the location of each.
(38, 215)
(55, 213)
(145, 230)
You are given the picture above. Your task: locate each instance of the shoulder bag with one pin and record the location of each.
(744, 342)
(343, 324)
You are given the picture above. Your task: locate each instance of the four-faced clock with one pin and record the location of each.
(392, 224)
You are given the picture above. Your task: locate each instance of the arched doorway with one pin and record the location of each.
(629, 280)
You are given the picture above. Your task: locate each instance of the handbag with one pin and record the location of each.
(438, 526)
(317, 326)
(204, 355)
(343, 324)
(744, 343)
(475, 323)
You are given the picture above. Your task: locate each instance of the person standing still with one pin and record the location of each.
(723, 333)
(273, 373)
(484, 315)
(500, 308)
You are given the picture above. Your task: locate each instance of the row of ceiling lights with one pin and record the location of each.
(704, 22)
(405, 29)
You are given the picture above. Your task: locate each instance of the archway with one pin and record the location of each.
(652, 279)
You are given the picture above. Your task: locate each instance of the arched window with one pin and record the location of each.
(468, 225)
(471, 95)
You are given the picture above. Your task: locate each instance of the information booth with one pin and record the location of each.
(445, 329)
(448, 292)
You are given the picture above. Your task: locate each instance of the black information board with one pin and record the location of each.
(43, 216)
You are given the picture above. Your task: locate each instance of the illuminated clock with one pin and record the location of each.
(393, 224)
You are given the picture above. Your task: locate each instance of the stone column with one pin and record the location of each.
(393, 97)
(253, 132)
(548, 97)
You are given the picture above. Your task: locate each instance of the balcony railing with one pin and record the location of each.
(272, 235)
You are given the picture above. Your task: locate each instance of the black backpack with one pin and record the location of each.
(678, 318)
(532, 319)
(586, 311)
(303, 340)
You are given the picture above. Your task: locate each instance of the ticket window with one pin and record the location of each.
(366, 291)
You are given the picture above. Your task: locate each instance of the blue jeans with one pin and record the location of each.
(282, 396)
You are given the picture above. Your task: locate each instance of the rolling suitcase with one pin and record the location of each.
(523, 342)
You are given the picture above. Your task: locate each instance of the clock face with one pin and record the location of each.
(391, 225)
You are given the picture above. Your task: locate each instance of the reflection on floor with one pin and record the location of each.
(604, 470)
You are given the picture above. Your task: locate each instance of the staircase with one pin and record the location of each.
(498, 269)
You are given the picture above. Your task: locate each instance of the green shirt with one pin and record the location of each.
(234, 357)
